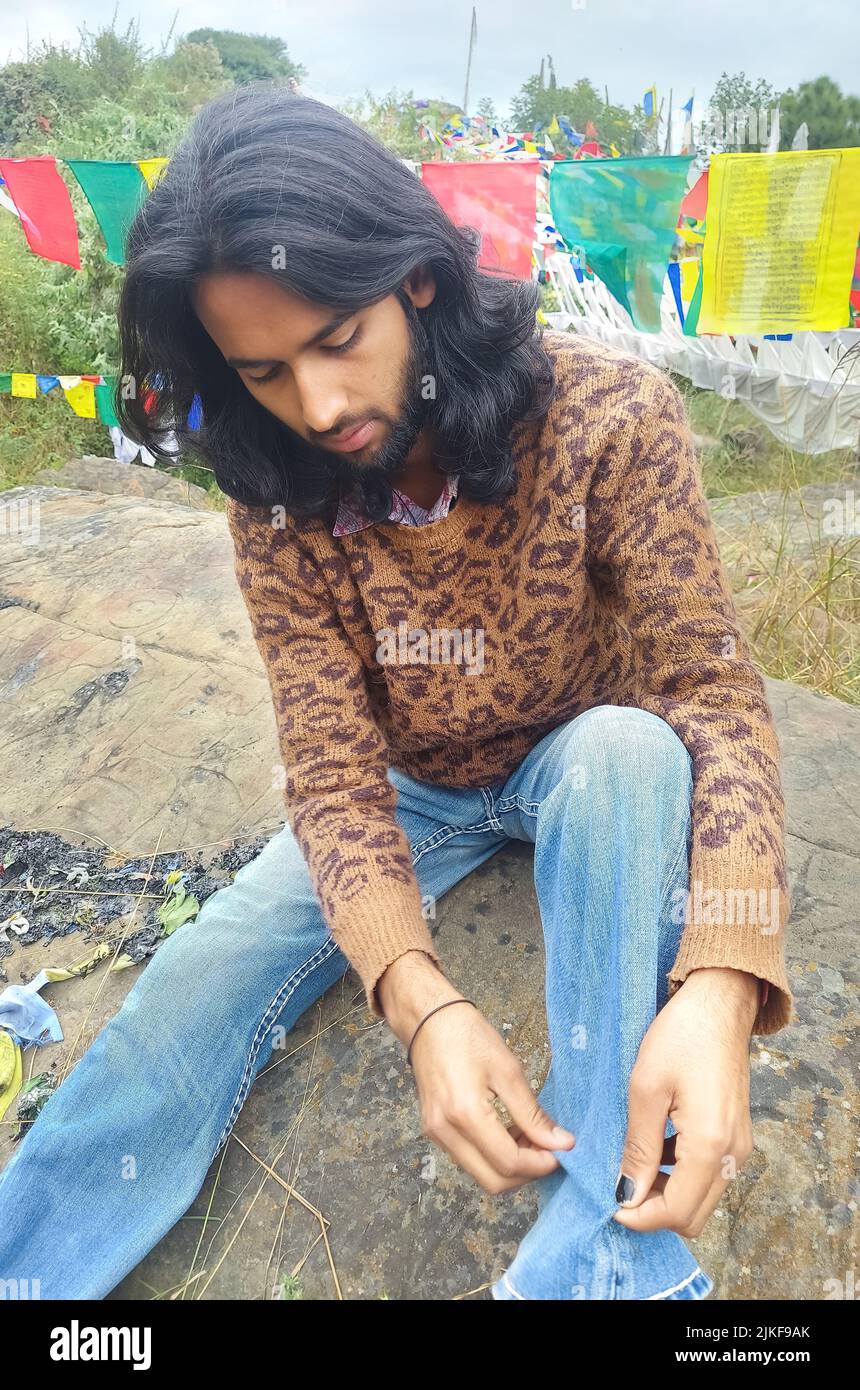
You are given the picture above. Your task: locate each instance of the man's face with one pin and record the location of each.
(349, 384)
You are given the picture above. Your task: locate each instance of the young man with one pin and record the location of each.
(483, 580)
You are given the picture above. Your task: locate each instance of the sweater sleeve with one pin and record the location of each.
(340, 802)
(650, 532)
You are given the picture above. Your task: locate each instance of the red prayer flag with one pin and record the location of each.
(695, 203)
(45, 208)
(498, 200)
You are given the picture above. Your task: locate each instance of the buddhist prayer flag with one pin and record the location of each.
(24, 385)
(623, 213)
(694, 204)
(649, 101)
(81, 396)
(104, 396)
(689, 272)
(42, 202)
(114, 191)
(781, 244)
(152, 169)
(499, 200)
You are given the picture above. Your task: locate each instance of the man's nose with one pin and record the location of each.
(323, 403)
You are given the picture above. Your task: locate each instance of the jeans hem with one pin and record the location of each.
(696, 1286)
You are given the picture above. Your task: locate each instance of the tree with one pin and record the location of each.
(250, 57)
(833, 119)
(487, 110)
(536, 105)
(741, 112)
(396, 121)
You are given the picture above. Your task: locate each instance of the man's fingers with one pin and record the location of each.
(510, 1160)
(680, 1197)
(528, 1114)
(483, 1147)
(643, 1146)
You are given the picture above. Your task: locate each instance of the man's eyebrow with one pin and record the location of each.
(330, 327)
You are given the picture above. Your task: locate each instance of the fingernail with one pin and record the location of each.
(625, 1189)
(561, 1135)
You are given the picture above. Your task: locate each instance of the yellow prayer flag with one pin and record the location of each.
(82, 399)
(152, 169)
(689, 277)
(24, 385)
(614, 151)
(554, 128)
(530, 146)
(781, 243)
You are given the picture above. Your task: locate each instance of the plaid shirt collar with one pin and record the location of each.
(351, 517)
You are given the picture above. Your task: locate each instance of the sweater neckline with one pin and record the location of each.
(436, 535)
(446, 531)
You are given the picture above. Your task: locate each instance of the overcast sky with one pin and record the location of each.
(348, 45)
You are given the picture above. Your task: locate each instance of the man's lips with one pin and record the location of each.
(356, 439)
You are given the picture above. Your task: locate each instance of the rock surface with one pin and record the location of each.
(135, 711)
(93, 474)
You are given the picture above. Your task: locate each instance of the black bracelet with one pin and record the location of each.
(430, 1015)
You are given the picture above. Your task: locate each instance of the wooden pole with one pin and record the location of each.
(473, 34)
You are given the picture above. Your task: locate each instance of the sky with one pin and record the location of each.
(626, 45)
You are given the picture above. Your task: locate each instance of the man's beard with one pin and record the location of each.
(369, 482)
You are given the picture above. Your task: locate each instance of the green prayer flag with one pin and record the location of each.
(623, 213)
(691, 321)
(104, 401)
(114, 191)
(5, 382)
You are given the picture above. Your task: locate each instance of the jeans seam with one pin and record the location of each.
(491, 810)
(445, 832)
(683, 850)
(530, 808)
(289, 986)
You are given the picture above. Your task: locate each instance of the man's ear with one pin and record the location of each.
(420, 285)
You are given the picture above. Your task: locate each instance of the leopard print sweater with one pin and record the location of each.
(597, 581)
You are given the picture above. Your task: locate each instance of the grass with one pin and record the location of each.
(797, 587)
(44, 433)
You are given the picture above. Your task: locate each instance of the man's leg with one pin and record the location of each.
(120, 1151)
(606, 799)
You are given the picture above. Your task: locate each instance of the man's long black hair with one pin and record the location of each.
(263, 168)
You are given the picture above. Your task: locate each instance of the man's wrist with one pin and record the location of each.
(408, 988)
(739, 989)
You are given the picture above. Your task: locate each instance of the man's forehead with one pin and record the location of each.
(250, 315)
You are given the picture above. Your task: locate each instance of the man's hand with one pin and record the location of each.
(461, 1064)
(693, 1065)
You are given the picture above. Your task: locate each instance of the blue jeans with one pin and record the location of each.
(605, 798)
